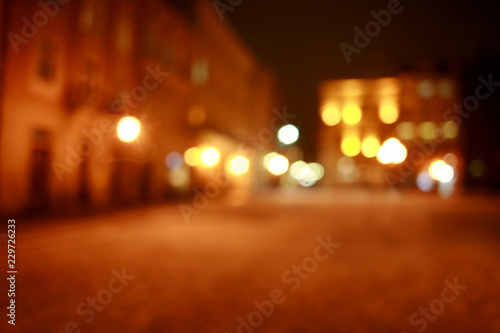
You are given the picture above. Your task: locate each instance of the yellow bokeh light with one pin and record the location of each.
(388, 113)
(331, 116)
(192, 156)
(406, 130)
(428, 130)
(350, 146)
(278, 165)
(128, 129)
(450, 129)
(445, 173)
(434, 168)
(370, 147)
(238, 165)
(210, 157)
(351, 114)
(299, 170)
(268, 158)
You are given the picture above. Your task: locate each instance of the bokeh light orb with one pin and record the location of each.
(210, 157)
(434, 167)
(288, 134)
(445, 173)
(128, 129)
(298, 170)
(351, 114)
(425, 182)
(370, 147)
(331, 116)
(350, 146)
(174, 160)
(278, 165)
(192, 156)
(239, 165)
(392, 151)
(388, 114)
(477, 168)
(268, 158)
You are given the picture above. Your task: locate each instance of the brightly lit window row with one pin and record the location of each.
(427, 130)
(390, 151)
(351, 114)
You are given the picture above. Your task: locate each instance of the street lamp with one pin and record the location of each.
(288, 134)
(128, 129)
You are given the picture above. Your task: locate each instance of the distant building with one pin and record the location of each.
(481, 132)
(71, 71)
(359, 115)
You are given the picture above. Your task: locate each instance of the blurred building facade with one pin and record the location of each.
(481, 134)
(72, 69)
(360, 115)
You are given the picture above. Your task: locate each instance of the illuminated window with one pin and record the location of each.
(426, 89)
(406, 130)
(370, 146)
(450, 129)
(428, 130)
(331, 116)
(388, 113)
(350, 146)
(87, 17)
(445, 88)
(47, 61)
(351, 114)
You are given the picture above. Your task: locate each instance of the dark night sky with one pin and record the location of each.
(299, 40)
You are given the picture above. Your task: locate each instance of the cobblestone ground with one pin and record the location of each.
(303, 261)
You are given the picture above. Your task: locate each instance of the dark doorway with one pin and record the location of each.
(39, 179)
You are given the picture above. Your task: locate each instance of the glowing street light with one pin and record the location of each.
(278, 165)
(288, 134)
(210, 157)
(238, 165)
(192, 156)
(441, 171)
(128, 129)
(392, 151)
